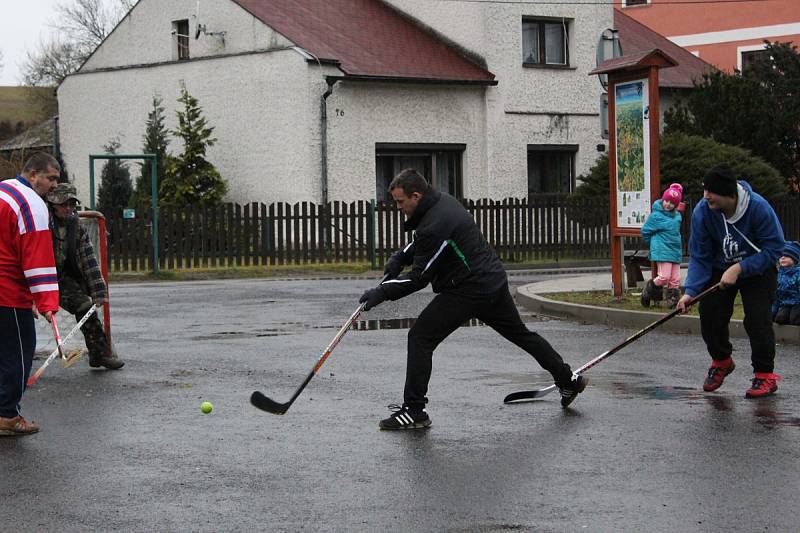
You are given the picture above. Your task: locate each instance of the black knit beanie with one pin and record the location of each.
(720, 180)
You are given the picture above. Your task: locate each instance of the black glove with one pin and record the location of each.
(392, 268)
(372, 297)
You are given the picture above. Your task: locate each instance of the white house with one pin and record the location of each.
(315, 100)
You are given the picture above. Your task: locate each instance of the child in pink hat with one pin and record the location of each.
(662, 232)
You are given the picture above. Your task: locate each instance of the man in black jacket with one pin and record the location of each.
(450, 252)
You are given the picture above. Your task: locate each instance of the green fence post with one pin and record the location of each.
(373, 259)
(154, 208)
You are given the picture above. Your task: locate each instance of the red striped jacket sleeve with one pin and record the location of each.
(38, 266)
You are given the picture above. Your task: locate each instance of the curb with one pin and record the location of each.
(635, 319)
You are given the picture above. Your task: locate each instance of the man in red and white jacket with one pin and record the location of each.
(27, 279)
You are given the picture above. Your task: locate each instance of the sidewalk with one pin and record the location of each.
(529, 297)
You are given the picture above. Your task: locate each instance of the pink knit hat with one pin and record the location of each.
(673, 195)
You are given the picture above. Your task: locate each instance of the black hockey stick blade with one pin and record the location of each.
(528, 394)
(533, 394)
(265, 404)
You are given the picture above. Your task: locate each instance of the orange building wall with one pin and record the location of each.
(673, 19)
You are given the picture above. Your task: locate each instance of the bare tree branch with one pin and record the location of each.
(51, 63)
(82, 26)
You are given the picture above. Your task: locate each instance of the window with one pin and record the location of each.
(545, 42)
(551, 168)
(180, 29)
(749, 55)
(629, 3)
(439, 163)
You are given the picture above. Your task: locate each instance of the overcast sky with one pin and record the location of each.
(23, 23)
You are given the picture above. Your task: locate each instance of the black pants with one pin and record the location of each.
(758, 293)
(446, 313)
(17, 344)
(788, 315)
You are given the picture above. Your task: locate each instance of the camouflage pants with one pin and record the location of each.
(74, 299)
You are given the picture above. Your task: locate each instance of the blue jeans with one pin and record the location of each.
(17, 344)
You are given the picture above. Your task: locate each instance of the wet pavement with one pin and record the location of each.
(643, 449)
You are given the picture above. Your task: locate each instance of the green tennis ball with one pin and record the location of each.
(206, 407)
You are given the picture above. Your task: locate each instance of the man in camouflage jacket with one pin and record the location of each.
(80, 281)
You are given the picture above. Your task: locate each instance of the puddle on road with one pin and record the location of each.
(401, 323)
(768, 416)
(765, 414)
(290, 328)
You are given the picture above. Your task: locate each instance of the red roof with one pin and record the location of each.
(636, 61)
(367, 38)
(636, 37)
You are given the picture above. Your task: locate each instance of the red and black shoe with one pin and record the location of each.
(764, 384)
(717, 373)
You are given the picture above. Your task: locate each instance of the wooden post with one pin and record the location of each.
(626, 75)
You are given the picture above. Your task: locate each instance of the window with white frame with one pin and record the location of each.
(630, 3)
(180, 32)
(749, 54)
(551, 168)
(545, 42)
(440, 164)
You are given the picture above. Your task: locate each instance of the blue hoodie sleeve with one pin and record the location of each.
(769, 238)
(700, 253)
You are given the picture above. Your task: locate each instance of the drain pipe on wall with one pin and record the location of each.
(324, 163)
(324, 138)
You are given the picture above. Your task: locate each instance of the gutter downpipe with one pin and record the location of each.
(324, 235)
(324, 138)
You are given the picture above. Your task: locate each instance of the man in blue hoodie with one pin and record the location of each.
(736, 240)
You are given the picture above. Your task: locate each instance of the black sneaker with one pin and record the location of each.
(571, 389)
(403, 418)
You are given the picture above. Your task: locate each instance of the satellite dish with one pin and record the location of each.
(608, 47)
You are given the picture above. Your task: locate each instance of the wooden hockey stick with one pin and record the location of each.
(35, 377)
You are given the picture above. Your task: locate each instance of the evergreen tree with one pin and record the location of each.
(758, 110)
(685, 159)
(155, 141)
(190, 179)
(115, 183)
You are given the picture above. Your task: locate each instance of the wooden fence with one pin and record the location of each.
(542, 228)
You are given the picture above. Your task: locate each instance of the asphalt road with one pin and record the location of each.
(642, 450)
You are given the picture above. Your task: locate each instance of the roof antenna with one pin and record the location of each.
(203, 28)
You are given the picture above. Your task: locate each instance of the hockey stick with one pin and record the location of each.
(271, 406)
(35, 377)
(57, 336)
(259, 400)
(538, 393)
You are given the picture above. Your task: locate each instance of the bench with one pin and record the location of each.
(634, 260)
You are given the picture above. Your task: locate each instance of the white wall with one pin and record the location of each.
(265, 106)
(399, 113)
(557, 106)
(256, 103)
(144, 36)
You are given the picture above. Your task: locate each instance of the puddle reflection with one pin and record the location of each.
(292, 328)
(768, 415)
(401, 323)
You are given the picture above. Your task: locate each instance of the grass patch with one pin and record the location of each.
(193, 274)
(24, 104)
(630, 301)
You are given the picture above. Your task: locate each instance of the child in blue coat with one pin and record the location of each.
(662, 232)
(786, 308)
